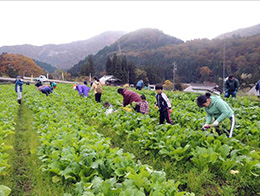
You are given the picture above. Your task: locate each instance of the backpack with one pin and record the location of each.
(99, 88)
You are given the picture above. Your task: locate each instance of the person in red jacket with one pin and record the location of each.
(130, 97)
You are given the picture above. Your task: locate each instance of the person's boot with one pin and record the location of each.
(20, 101)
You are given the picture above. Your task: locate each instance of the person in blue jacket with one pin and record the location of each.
(82, 89)
(139, 85)
(19, 88)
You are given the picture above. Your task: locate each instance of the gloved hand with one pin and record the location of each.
(206, 126)
(215, 123)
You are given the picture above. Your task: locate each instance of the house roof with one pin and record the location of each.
(109, 78)
(201, 88)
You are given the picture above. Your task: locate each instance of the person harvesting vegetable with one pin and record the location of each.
(97, 88)
(19, 89)
(45, 90)
(231, 86)
(129, 98)
(108, 107)
(144, 105)
(217, 108)
(53, 85)
(82, 89)
(164, 105)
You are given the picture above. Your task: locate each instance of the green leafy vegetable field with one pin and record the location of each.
(128, 153)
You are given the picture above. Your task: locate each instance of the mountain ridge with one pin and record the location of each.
(242, 32)
(63, 56)
(145, 39)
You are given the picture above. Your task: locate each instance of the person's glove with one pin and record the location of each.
(206, 126)
(215, 123)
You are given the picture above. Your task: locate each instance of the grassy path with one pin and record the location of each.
(25, 177)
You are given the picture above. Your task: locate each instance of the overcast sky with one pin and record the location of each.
(44, 22)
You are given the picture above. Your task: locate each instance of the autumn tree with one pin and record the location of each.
(16, 64)
(205, 73)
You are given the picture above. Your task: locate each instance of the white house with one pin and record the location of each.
(109, 79)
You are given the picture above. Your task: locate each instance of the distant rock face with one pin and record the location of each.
(64, 56)
(244, 32)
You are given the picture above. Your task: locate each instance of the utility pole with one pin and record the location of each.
(224, 59)
(174, 71)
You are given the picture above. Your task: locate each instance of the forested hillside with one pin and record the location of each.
(197, 60)
(130, 44)
(15, 64)
(45, 66)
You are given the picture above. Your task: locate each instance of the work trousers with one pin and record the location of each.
(98, 97)
(165, 115)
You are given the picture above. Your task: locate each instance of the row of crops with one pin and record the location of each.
(83, 146)
(8, 108)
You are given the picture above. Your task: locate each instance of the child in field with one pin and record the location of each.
(144, 106)
(109, 108)
(164, 105)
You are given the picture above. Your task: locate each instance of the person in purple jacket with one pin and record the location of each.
(82, 89)
(130, 97)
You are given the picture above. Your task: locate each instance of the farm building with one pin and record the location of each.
(110, 80)
(202, 88)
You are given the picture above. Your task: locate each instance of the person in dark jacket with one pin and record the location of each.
(82, 89)
(19, 89)
(38, 84)
(231, 86)
(164, 105)
(129, 98)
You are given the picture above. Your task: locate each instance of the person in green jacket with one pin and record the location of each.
(216, 108)
(231, 86)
